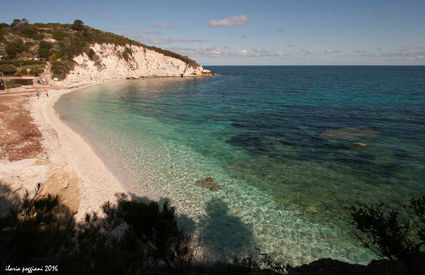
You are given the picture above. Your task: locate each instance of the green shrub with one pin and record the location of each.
(77, 45)
(61, 68)
(4, 26)
(91, 54)
(59, 35)
(31, 32)
(152, 236)
(8, 69)
(23, 62)
(396, 234)
(33, 232)
(15, 47)
(41, 230)
(19, 22)
(36, 72)
(127, 53)
(44, 49)
(78, 25)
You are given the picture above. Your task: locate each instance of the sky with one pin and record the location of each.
(268, 32)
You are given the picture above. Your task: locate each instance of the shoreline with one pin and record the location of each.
(64, 146)
(66, 164)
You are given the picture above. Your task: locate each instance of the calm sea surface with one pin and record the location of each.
(285, 144)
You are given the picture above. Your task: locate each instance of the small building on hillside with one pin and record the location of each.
(24, 80)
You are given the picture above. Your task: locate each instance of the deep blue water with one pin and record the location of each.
(284, 143)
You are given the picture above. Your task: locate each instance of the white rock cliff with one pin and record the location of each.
(111, 65)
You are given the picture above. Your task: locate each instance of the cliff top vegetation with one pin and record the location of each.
(26, 47)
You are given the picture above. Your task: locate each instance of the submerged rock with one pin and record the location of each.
(209, 184)
(358, 145)
(348, 133)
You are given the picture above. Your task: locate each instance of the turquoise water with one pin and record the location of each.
(283, 143)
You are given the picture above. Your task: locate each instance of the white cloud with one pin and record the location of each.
(157, 41)
(161, 40)
(224, 52)
(331, 51)
(204, 51)
(244, 52)
(404, 48)
(160, 24)
(398, 55)
(265, 52)
(307, 52)
(196, 39)
(227, 22)
(142, 31)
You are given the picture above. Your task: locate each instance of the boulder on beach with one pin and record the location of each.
(348, 133)
(209, 184)
(64, 182)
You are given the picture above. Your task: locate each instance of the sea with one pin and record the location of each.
(286, 149)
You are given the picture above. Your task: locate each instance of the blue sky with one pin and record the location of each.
(274, 32)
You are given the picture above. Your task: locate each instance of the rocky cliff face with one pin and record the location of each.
(112, 62)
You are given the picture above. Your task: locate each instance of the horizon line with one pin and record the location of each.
(311, 65)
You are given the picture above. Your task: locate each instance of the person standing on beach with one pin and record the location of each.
(38, 95)
(47, 93)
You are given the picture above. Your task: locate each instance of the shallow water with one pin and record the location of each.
(281, 142)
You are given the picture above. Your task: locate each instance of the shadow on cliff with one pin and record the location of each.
(224, 235)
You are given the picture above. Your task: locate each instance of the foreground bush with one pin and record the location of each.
(133, 237)
(396, 234)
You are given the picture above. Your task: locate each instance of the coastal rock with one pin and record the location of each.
(23, 176)
(26, 176)
(209, 184)
(358, 145)
(206, 73)
(65, 183)
(19, 178)
(348, 133)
